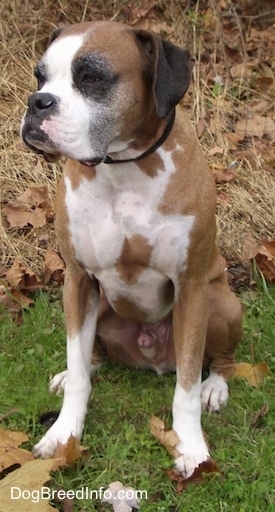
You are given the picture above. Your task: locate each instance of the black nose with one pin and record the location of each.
(42, 102)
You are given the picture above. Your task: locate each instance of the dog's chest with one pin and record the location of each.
(120, 234)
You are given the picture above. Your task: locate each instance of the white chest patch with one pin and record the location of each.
(119, 203)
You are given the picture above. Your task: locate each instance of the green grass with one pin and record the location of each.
(117, 432)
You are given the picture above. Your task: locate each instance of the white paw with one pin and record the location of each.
(214, 393)
(191, 458)
(59, 433)
(57, 383)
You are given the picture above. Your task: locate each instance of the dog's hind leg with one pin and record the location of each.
(223, 335)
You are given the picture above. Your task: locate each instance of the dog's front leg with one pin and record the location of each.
(81, 299)
(190, 317)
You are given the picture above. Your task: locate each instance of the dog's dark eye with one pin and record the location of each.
(90, 79)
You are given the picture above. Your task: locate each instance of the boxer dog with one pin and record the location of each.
(135, 220)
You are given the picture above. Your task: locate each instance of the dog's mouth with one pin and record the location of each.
(36, 140)
(91, 163)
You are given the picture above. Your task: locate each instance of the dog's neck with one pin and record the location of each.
(131, 154)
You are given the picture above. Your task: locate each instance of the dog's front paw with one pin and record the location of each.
(57, 383)
(214, 393)
(59, 433)
(191, 458)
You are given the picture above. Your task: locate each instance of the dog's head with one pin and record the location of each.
(99, 85)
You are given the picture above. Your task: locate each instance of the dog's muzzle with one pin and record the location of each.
(40, 107)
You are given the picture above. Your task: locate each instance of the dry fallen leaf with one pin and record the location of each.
(33, 208)
(68, 453)
(207, 467)
(168, 438)
(54, 266)
(265, 259)
(30, 477)
(257, 126)
(255, 374)
(14, 301)
(250, 248)
(22, 277)
(222, 174)
(10, 454)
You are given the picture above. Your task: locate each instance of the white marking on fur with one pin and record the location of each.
(187, 425)
(77, 389)
(214, 392)
(119, 204)
(69, 130)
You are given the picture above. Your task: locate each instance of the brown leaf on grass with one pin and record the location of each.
(265, 259)
(22, 277)
(54, 266)
(13, 300)
(206, 468)
(33, 208)
(250, 248)
(68, 453)
(31, 476)
(222, 174)
(255, 374)
(10, 453)
(168, 438)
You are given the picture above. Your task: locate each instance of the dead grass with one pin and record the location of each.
(233, 80)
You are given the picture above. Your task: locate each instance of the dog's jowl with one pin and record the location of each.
(135, 220)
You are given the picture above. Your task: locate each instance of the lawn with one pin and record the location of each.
(231, 103)
(117, 432)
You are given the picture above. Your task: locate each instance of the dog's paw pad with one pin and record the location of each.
(214, 393)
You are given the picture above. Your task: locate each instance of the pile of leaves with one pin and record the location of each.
(231, 103)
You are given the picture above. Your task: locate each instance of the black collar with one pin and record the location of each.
(168, 128)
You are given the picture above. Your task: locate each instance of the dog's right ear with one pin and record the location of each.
(54, 35)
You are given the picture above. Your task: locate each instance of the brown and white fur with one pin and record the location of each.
(138, 238)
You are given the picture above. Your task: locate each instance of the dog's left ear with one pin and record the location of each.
(54, 35)
(172, 70)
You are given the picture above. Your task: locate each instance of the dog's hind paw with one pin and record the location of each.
(214, 393)
(57, 383)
